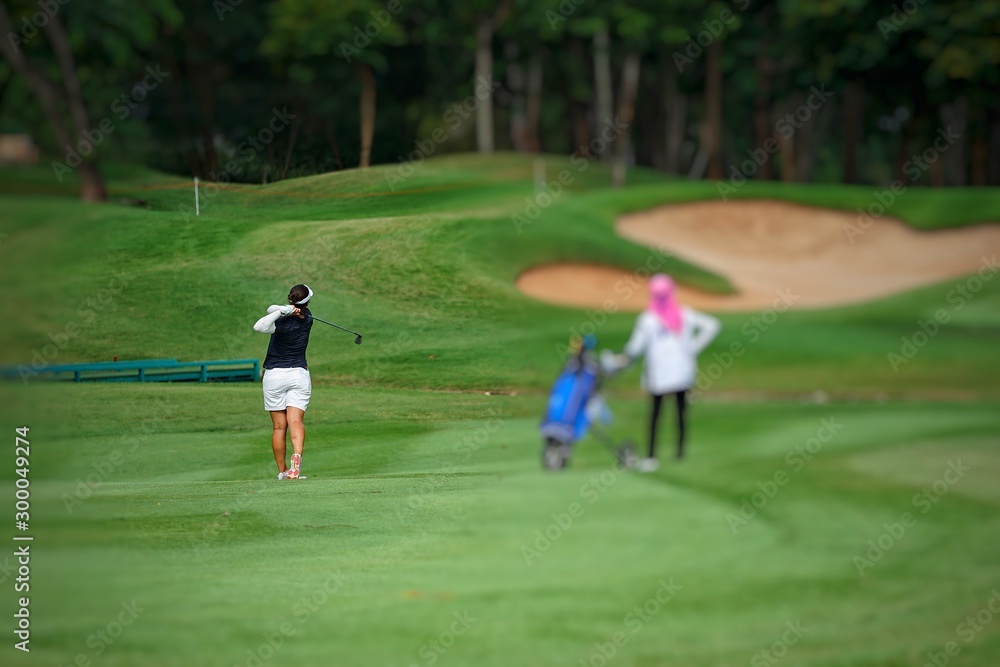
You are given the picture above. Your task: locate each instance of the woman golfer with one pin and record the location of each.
(287, 385)
(670, 337)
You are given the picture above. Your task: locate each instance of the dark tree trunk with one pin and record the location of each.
(626, 116)
(578, 126)
(203, 88)
(853, 110)
(713, 110)
(648, 142)
(59, 40)
(979, 144)
(980, 161)
(269, 164)
(40, 85)
(581, 129)
(786, 145)
(334, 146)
(175, 106)
(292, 138)
(366, 76)
(810, 138)
(516, 86)
(937, 174)
(994, 147)
(700, 162)
(91, 182)
(4, 87)
(50, 97)
(481, 85)
(533, 106)
(762, 111)
(675, 111)
(602, 86)
(954, 160)
(905, 140)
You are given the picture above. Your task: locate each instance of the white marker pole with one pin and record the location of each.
(197, 209)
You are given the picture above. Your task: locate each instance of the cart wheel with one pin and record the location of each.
(555, 455)
(626, 454)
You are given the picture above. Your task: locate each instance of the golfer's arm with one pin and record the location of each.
(266, 324)
(707, 328)
(636, 345)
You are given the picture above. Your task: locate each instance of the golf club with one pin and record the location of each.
(357, 339)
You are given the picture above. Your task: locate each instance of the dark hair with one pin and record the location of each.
(298, 293)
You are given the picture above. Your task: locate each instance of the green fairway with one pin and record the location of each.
(426, 273)
(420, 507)
(838, 507)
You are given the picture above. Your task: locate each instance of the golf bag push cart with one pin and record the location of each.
(576, 406)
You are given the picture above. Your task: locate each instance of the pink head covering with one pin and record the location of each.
(663, 301)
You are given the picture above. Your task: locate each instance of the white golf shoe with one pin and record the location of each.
(648, 465)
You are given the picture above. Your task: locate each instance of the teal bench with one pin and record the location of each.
(151, 370)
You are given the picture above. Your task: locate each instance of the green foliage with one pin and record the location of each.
(961, 41)
(301, 29)
(251, 57)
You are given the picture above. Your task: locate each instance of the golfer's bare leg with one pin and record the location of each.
(280, 422)
(297, 429)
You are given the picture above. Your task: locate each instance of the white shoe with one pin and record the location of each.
(648, 465)
(283, 475)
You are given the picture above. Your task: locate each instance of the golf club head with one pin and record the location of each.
(357, 340)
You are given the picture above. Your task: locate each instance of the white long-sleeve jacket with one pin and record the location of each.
(266, 323)
(671, 359)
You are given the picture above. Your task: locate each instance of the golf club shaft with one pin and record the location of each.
(336, 325)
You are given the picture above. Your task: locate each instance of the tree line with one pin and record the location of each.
(810, 91)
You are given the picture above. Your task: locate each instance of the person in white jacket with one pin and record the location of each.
(670, 337)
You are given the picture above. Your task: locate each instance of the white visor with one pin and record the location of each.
(305, 300)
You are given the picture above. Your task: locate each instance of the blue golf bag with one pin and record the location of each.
(566, 418)
(574, 406)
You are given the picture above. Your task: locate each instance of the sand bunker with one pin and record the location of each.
(764, 247)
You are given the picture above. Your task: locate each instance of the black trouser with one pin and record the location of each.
(654, 421)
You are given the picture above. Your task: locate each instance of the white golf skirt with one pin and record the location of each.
(286, 387)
